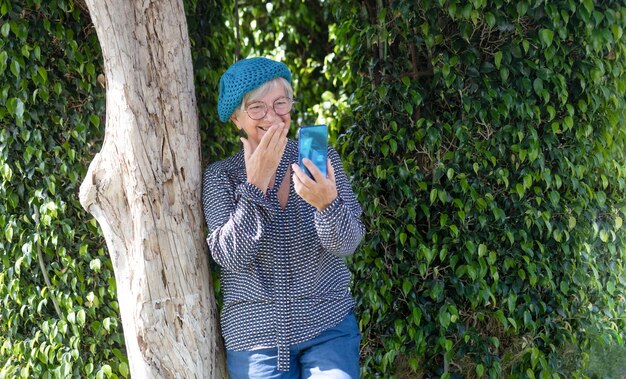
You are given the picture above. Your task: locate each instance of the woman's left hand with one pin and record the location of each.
(322, 191)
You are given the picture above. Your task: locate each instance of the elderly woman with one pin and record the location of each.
(280, 238)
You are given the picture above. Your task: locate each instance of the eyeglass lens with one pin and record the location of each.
(258, 109)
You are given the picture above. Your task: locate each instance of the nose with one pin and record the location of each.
(271, 114)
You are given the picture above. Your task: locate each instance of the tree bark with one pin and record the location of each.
(144, 188)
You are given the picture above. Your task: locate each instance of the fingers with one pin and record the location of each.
(320, 192)
(275, 138)
(279, 138)
(262, 160)
(314, 170)
(331, 170)
(301, 179)
(317, 173)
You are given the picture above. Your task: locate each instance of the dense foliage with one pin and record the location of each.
(211, 36)
(487, 143)
(212, 49)
(58, 308)
(484, 138)
(296, 33)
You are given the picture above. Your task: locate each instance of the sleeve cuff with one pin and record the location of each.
(251, 192)
(330, 209)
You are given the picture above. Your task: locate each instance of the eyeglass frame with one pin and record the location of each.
(267, 108)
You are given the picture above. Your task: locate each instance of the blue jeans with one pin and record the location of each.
(334, 354)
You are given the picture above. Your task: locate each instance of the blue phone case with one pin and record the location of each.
(313, 144)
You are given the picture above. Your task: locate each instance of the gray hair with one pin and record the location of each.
(266, 87)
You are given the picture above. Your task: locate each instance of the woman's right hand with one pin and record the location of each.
(262, 161)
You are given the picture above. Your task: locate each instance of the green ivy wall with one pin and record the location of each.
(487, 144)
(484, 138)
(58, 309)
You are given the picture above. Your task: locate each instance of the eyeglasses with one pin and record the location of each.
(258, 109)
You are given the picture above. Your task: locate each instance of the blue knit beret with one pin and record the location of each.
(243, 77)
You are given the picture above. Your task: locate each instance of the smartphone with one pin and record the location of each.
(313, 144)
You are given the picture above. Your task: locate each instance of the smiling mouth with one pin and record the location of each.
(263, 128)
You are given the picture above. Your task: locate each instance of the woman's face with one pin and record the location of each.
(255, 129)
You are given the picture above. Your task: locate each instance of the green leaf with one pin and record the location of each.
(124, 370)
(490, 19)
(525, 45)
(52, 188)
(610, 287)
(445, 70)
(450, 173)
(571, 222)
(528, 181)
(433, 196)
(15, 68)
(546, 36)
(382, 91)
(43, 74)
(568, 121)
(8, 233)
(443, 196)
(106, 323)
(554, 198)
(504, 76)
(3, 61)
(617, 32)
(519, 188)
(538, 85)
(399, 327)
(95, 265)
(91, 69)
(393, 146)
(80, 317)
(408, 107)
(497, 59)
(604, 236)
(564, 287)
(455, 230)
(403, 237)
(480, 370)
(406, 286)
(384, 148)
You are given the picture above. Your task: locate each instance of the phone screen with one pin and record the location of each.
(313, 144)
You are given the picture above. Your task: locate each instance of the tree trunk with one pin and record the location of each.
(144, 187)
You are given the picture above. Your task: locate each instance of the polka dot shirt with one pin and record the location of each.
(283, 273)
